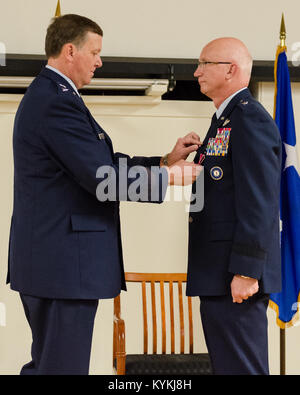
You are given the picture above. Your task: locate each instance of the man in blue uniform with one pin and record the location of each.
(234, 255)
(65, 244)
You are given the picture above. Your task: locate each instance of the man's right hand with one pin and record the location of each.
(183, 173)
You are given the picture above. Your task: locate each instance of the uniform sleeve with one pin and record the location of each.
(73, 144)
(256, 160)
(139, 160)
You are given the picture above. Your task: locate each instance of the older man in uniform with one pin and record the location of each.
(234, 255)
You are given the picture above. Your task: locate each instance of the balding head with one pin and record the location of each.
(218, 80)
(235, 51)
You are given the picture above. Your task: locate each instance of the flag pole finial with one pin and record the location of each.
(58, 11)
(282, 32)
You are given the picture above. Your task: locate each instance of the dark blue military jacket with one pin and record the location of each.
(64, 242)
(237, 232)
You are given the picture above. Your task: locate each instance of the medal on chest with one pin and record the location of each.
(217, 146)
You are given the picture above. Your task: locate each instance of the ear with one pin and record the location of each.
(232, 71)
(68, 51)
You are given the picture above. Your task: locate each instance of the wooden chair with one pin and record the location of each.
(154, 363)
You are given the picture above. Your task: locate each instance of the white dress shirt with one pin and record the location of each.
(226, 102)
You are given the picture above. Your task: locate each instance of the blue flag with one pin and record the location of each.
(287, 302)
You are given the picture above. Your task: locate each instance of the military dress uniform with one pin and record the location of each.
(65, 248)
(237, 232)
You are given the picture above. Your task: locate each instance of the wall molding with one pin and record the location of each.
(178, 71)
(123, 106)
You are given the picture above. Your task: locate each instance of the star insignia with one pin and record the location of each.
(291, 157)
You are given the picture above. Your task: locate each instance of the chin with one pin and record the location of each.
(204, 90)
(88, 81)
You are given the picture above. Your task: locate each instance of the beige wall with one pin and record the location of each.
(154, 236)
(156, 28)
(165, 29)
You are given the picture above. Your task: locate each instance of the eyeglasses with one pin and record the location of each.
(202, 64)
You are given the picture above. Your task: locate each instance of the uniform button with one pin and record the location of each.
(190, 219)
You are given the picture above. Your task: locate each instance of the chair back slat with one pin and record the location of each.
(181, 317)
(154, 326)
(145, 322)
(172, 326)
(163, 318)
(163, 278)
(191, 324)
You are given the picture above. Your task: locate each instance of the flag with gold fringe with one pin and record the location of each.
(286, 303)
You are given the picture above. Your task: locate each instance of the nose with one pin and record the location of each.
(98, 62)
(198, 72)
